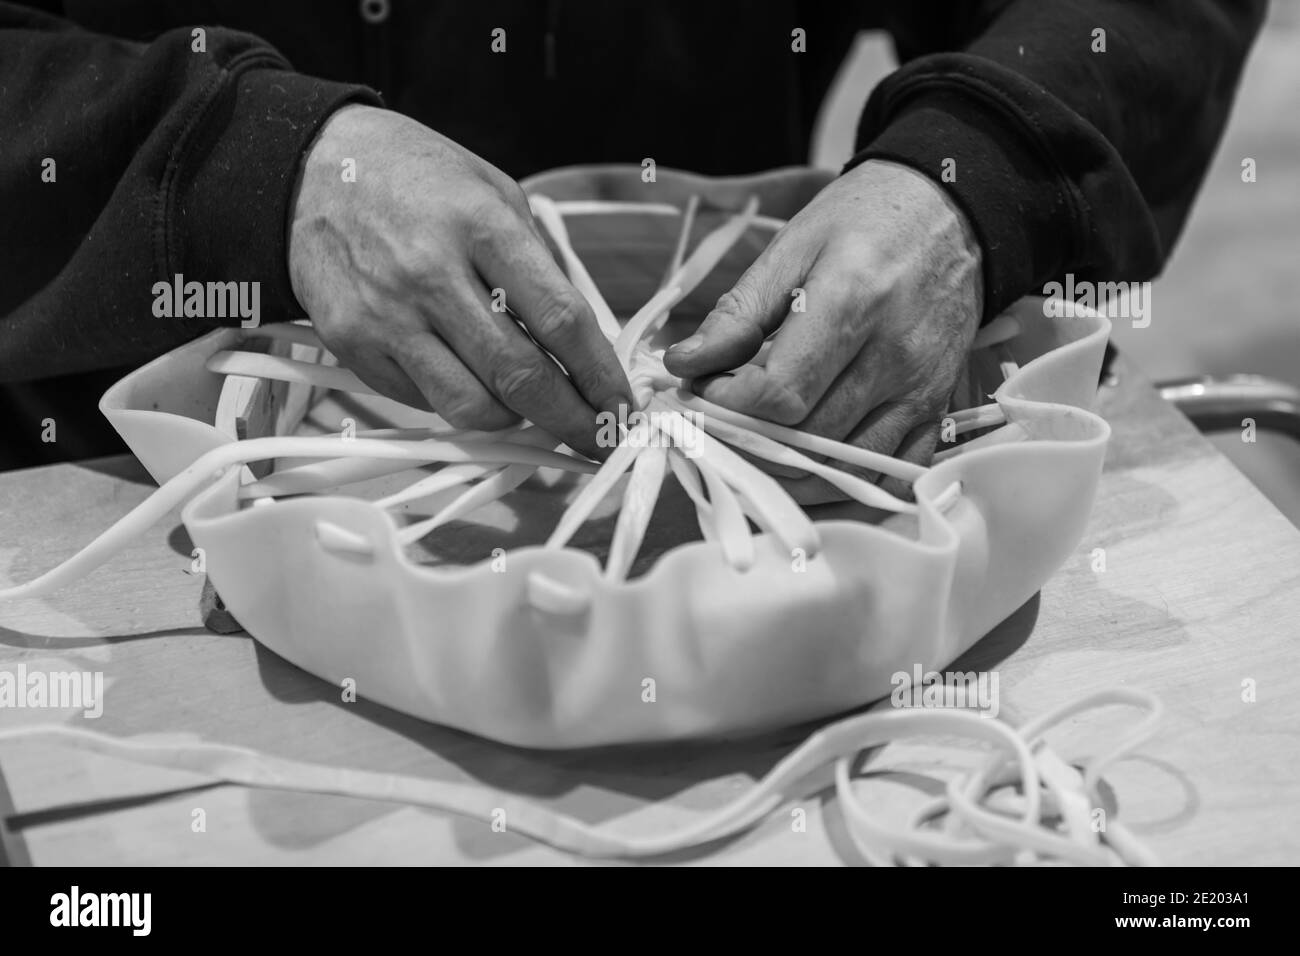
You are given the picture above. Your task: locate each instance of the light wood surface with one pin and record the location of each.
(1200, 592)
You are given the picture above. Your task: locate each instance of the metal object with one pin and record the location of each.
(1220, 404)
(216, 618)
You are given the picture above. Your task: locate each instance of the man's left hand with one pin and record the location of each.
(871, 296)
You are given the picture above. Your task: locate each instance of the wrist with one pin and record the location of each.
(939, 228)
(321, 168)
(989, 165)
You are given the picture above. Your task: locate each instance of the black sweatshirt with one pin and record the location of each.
(170, 159)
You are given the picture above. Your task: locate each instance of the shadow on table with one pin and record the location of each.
(122, 467)
(56, 643)
(633, 775)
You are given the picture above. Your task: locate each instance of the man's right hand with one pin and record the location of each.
(396, 270)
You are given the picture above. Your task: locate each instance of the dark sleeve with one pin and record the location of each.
(166, 160)
(1066, 159)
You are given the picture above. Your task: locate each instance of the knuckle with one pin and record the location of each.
(476, 411)
(485, 215)
(735, 315)
(513, 194)
(864, 288)
(562, 315)
(932, 405)
(345, 339)
(777, 399)
(518, 378)
(416, 264)
(734, 303)
(786, 405)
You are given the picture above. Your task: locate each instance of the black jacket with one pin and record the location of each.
(169, 160)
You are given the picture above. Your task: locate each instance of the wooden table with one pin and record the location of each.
(1199, 596)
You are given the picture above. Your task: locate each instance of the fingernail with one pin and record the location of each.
(616, 409)
(686, 346)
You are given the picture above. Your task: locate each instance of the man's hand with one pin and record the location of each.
(892, 295)
(397, 268)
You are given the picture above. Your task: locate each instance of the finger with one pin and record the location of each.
(733, 332)
(515, 370)
(755, 390)
(916, 447)
(382, 374)
(749, 389)
(883, 431)
(449, 387)
(817, 343)
(555, 314)
(868, 382)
